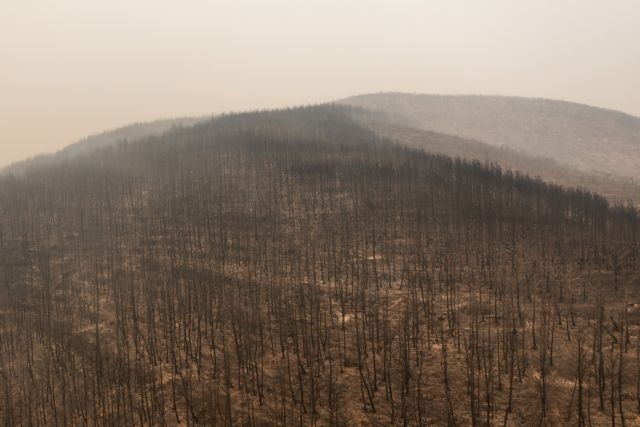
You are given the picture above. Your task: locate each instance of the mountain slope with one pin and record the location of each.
(616, 189)
(589, 138)
(130, 132)
(293, 268)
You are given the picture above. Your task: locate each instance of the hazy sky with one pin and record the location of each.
(70, 68)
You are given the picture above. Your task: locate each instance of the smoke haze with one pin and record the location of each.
(71, 68)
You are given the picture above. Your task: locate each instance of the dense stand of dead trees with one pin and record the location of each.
(291, 268)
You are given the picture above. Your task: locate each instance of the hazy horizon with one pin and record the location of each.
(76, 68)
(338, 212)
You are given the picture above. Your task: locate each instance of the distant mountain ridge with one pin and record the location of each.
(617, 189)
(130, 132)
(589, 138)
(541, 138)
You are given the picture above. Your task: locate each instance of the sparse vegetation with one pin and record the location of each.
(293, 268)
(583, 137)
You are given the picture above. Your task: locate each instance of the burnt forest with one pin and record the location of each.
(299, 267)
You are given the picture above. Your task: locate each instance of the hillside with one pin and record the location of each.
(130, 132)
(293, 267)
(396, 127)
(589, 138)
(616, 189)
